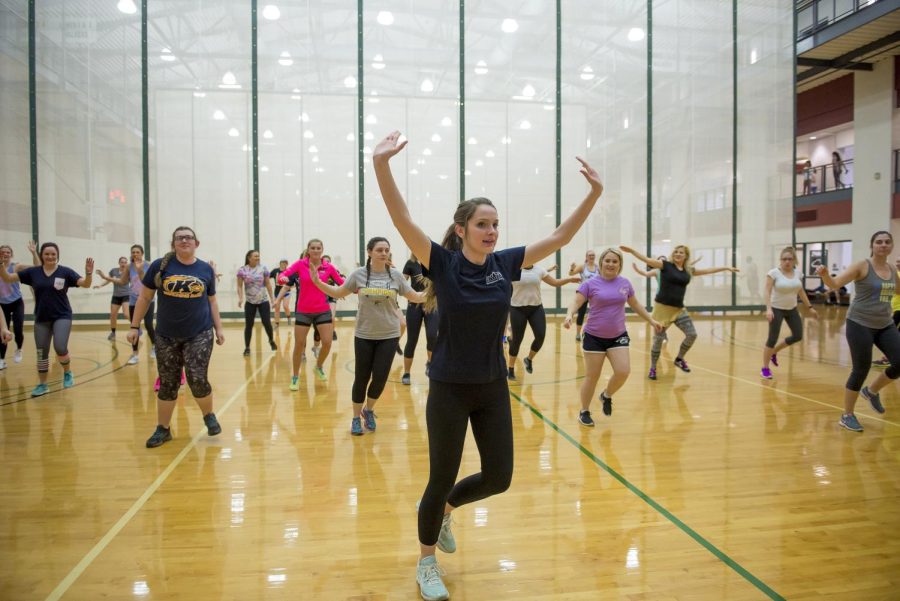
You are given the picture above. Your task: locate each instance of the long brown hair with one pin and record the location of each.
(157, 279)
(452, 241)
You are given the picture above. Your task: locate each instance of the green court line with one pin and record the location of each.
(720, 555)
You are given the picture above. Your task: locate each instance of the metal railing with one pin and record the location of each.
(815, 15)
(826, 178)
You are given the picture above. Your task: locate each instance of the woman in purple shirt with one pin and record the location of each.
(605, 335)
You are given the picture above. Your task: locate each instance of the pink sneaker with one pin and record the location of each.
(766, 373)
(156, 386)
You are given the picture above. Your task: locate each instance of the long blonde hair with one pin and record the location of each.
(452, 241)
(687, 257)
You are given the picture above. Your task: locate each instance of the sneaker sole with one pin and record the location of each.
(846, 427)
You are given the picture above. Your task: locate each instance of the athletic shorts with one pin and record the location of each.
(595, 344)
(308, 319)
(119, 300)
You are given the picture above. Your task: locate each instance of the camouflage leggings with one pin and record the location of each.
(190, 353)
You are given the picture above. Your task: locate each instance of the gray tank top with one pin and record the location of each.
(587, 274)
(871, 306)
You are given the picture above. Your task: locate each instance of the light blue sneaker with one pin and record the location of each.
(320, 373)
(850, 422)
(445, 541)
(68, 379)
(356, 427)
(40, 390)
(428, 575)
(369, 419)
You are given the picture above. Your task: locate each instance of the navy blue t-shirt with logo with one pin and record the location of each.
(473, 306)
(51, 299)
(183, 310)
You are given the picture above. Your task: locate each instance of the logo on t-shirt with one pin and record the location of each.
(623, 290)
(493, 277)
(183, 286)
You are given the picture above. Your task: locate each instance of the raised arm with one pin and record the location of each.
(856, 271)
(412, 234)
(332, 291)
(654, 263)
(647, 274)
(85, 282)
(575, 268)
(32, 248)
(712, 270)
(564, 233)
(556, 283)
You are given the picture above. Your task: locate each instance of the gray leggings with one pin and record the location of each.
(860, 340)
(683, 323)
(792, 317)
(59, 331)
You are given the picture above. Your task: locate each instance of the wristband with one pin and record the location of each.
(135, 327)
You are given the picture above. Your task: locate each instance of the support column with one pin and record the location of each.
(872, 111)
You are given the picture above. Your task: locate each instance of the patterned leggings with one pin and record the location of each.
(190, 353)
(683, 323)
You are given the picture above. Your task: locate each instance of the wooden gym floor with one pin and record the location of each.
(709, 485)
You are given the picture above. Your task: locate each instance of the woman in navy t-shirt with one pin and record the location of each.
(52, 311)
(187, 314)
(472, 287)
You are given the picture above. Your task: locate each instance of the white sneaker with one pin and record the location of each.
(17, 358)
(132, 360)
(316, 350)
(153, 352)
(2, 363)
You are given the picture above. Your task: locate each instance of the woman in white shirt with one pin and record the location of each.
(783, 284)
(527, 308)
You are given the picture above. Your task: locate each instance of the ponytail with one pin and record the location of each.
(157, 279)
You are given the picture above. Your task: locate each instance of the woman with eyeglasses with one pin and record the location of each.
(783, 286)
(188, 316)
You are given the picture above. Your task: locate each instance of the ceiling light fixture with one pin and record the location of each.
(271, 12)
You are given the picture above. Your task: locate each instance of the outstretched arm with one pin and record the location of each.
(332, 291)
(556, 283)
(712, 270)
(654, 263)
(647, 274)
(564, 233)
(857, 271)
(412, 234)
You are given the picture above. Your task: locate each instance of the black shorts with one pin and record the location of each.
(308, 319)
(595, 344)
(332, 301)
(119, 300)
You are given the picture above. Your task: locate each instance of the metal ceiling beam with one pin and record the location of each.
(851, 57)
(830, 64)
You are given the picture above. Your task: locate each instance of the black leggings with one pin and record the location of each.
(14, 313)
(373, 363)
(795, 323)
(192, 354)
(415, 315)
(582, 310)
(250, 315)
(448, 412)
(148, 325)
(860, 338)
(534, 316)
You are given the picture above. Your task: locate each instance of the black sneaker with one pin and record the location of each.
(212, 424)
(528, 366)
(246, 352)
(160, 436)
(584, 418)
(272, 345)
(334, 335)
(682, 365)
(607, 403)
(405, 380)
(511, 373)
(427, 368)
(399, 350)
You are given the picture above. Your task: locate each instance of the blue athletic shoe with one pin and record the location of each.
(874, 399)
(851, 423)
(356, 427)
(68, 379)
(40, 390)
(445, 541)
(369, 419)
